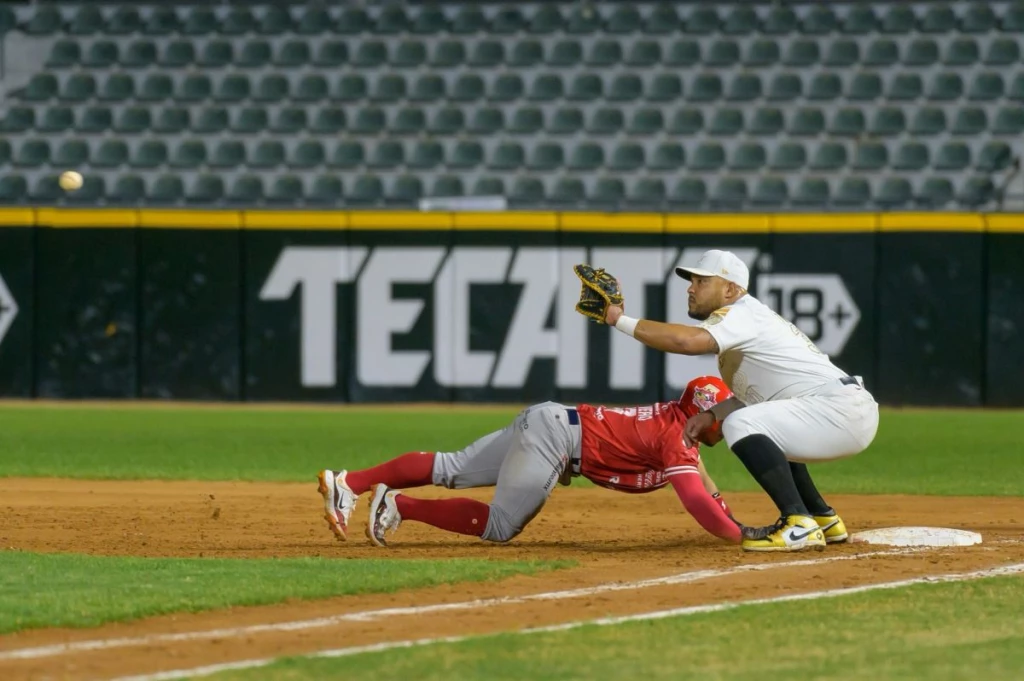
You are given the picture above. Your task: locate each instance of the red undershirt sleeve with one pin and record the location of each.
(703, 508)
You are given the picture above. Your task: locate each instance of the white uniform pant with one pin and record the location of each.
(840, 420)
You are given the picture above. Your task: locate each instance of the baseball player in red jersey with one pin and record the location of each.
(633, 449)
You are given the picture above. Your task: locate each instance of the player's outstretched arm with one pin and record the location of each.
(678, 339)
(704, 509)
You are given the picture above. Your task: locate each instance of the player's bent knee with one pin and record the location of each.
(445, 469)
(501, 526)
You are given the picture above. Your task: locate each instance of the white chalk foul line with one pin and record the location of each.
(195, 672)
(369, 615)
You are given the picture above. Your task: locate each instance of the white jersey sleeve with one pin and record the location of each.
(730, 326)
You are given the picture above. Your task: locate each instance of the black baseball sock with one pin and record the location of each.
(808, 492)
(768, 465)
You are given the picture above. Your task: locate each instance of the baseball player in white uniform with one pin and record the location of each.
(792, 404)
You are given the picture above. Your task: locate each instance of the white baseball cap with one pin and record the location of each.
(724, 264)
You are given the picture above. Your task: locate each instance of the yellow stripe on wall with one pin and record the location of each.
(62, 217)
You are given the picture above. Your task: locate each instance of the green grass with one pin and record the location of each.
(43, 590)
(934, 452)
(940, 632)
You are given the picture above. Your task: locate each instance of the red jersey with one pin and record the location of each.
(634, 449)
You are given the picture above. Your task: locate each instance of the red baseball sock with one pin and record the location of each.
(414, 469)
(465, 516)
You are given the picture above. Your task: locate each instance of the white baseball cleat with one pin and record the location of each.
(384, 515)
(339, 501)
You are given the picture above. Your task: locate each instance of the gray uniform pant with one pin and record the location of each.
(524, 461)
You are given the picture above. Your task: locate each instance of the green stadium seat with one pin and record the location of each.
(747, 157)
(566, 121)
(307, 154)
(315, 20)
(408, 121)
(847, 123)
(723, 54)
(899, 19)
(953, 156)
(56, 120)
(1009, 121)
(911, 156)
(347, 154)
(267, 154)
(887, 122)
(606, 121)
(683, 54)
(286, 189)
(627, 157)
(726, 123)
(147, 155)
(177, 54)
(626, 87)
(409, 54)
(124, 20)
(45, 21)
(128, 189)
(825, 87)
(647, 191)
(686, 122)
(40, 88)
(78, 88)
(729, 192)
(624, 20)
(155, 88)
(603, 53)
(961, 52)
(801, 53)
(349, 88)
(785, 87)
(31, 154)
(200, 21)
(353, 20)
(607, 191)
(250, 120)
(1016, 90)
(545, 156)
(740, 21)
(864, 87)
(238, 21)
(526, 121)
(819, 20)
(939, 19)
(766, 121)
(117, 87)
(986, 87)
(945, 87)
(487, 121)
(429, 21)
(1002, 52)
(546, 88)
(448, 54)
(289, 121)
(139, 54)
(18, 119)
(829, 156)
(205, 189)
(228, 154)
(882, 52)
(194, 88)
(275, 20)
(506, 156)
(761, 53)
(331, 54)
(702, 21)
(1012, 20)
(188, 155)
(270, 89)
(405, 189)
(647, 121)
(586, 87)
(489, 186)
(468, 154)
(905, 87)
(788, 156)
(527, 190)
(707, 157)
(583, 20)
(806, 122)
(470, 19)
(508, 20)
(162, 21)
(770, 191)
(921, 52)
(311, 88)
(852, 191)
(132, 119)
(780, 20)
(254, 54)
(526, 53)
(487, 54)
(246, 189)
(446, 121)
(586, 156)
(64, 54)
(970, 121)
(870, 156)
(568, 191)
(935, 192)
(688, 192)
(667, 87)
(292, 54)
(667, 156)
(976, 191)
(994, 156)
(706, 87)
(978, 17)
(811, 191)
(232, 88)
(46, 189)
(928, 121)
(662, 19)
(95, 119)
(211, 120)
(744, 87)
(894, 192)
(329, 121)
(172, 120)
(509, 87)
(326, 189)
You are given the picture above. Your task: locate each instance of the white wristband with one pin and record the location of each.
(627, 325)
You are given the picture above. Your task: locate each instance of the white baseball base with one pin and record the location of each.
(917, 536)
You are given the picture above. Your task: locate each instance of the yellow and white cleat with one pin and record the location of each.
(790, 533)
(833, 527)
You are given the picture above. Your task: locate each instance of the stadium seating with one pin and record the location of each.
(884, 105)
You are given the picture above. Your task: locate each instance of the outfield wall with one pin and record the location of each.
(372, 306)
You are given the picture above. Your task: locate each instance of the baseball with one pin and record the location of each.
(70, 181)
